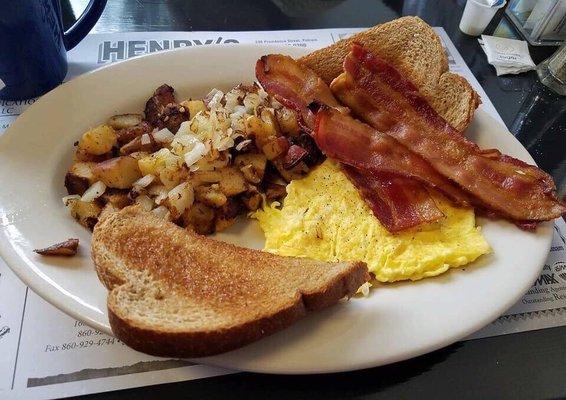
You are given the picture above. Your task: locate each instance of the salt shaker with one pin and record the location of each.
(552, 71)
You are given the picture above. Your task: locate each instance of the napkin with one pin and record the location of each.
(508, 56)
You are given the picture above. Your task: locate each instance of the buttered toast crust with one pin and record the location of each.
(414, 48)
(175, 293)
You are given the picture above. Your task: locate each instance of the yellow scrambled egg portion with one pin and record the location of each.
(323, 217)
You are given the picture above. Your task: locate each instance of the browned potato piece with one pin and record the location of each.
(98, 141)
(254, 126)
(83, 156)
(199, 178)
(84, 170)
(156, 104)
(251, 174)
(179, 199)
(275, 147)
(288, 122)
(124, 120)
(172, 117)
(297, 172)
(67, 248)
(210, 195)
(117, 197)
(85, 212)
(275, 191)
(75, 184)
(120, 172)
(232, 182)
(194, 107)
(269, 119)
(128, 134)
(79, 177)
(223, 223)
(260, 130)
(252, 201)
(200, 218)
(138, 154)
(172, 177)
(135, 145)
(252, 166)
(226, 215)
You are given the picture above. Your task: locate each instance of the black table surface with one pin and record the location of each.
(523, 365)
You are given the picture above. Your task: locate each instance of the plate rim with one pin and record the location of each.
(30, 276)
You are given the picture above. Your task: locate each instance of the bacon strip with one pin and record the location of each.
(297, 87)
(380, 95)
(400, 203)
(354, 143)
(294, 86)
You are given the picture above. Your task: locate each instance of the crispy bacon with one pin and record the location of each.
(294, 155)
(294, 86)
(297, 88)
(380, 95)
(399, 203)
(352, 142)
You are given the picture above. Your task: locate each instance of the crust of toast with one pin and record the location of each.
(414, 48)
(235, 296)
(189, 344)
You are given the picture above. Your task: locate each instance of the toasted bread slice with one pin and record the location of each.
(176, 293)
(413, 47)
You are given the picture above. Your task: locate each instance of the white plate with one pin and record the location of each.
(396, 322)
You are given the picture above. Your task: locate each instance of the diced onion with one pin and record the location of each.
(225, 144)
(232, 99)
(262, 94)
(160, 193)
(160, 198)
(70, 197)
(96, 190)
(180, 198)
(184, 128)
(145, 202)
(163, 136)
(243, 144)
(251, 102)
(161, 212)
(364, 289)
(156, 190)
(238, 112)
(215, 97)
(144, 181)
(145, 139)
(197, 152)
(185, 140)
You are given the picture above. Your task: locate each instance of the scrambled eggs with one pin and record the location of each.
(323, 217)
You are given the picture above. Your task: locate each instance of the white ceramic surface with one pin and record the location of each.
(395, 322)
(477, 15)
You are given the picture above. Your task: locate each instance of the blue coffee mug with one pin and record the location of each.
(33, 45)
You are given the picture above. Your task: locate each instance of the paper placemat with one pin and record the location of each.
(46, 354)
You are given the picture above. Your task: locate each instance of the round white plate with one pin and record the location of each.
(395, 322)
